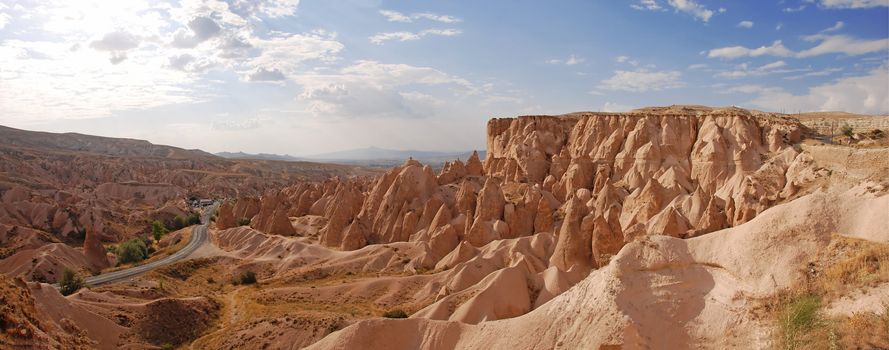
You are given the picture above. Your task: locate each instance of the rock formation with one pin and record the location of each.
(587, 230)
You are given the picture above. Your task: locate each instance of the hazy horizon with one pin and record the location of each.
(310, 77)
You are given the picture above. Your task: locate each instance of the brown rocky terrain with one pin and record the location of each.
(674, 227)
(61, 191)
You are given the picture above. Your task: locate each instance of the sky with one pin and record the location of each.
(303, 77)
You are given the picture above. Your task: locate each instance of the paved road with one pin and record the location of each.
(198, 238)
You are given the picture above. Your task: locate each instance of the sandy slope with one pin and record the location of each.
(657, 293)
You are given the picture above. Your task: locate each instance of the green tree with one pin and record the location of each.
(846, 130)
(158, 230)
(70, 282)
(178, 222)
(194, 219)
(134, 250)
(248, 277)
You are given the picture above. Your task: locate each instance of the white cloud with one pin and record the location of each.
(374, 89)
(854, 4)
(642, 80)
(263, 74)
(287, 52)
(238, 125)
(794, 9)
(278, 8)
(745, 24)
(773, 65)
(842, 44)
(200, 29)
(867, 94)
(743, 70)
(570, 61)
(627, 60)
(395, 16)
(442, 32)
(502, 100)
(839, 25)
(827, 44)
(732, 52)
(420, 98)
(437, 18)
(4, 19)
(77, 84)
(382, 74)
(818, 73)
(157, 60)
(697, 66)
(615, 107)
(746, 89)
(246, 10)
(650, 5)
(190, 63)
(693, 8)
(117, 43)
(381, 38)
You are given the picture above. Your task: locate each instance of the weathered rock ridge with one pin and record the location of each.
(595, 180)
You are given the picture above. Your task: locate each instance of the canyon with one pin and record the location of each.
(664, 227)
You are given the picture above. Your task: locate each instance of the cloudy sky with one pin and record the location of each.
(312, 76)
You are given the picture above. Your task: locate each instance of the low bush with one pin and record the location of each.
(248, 277)
(243, 222)
(846, 130)
(395, 314)
(70, 282)
(132, 251)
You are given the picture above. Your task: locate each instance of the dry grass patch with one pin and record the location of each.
(864, 331)
(846, 265)
(864, 264)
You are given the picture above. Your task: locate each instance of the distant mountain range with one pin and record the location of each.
(370, 156)
(260, 156)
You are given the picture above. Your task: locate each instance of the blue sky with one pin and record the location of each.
(312, 76)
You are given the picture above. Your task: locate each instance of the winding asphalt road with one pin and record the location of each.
(199, 237)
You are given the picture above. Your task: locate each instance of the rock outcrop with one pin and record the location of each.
(558, 198)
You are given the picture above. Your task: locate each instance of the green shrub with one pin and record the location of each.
(243, 222)
(846, 130)
(178, 222)
(158, 230)
(799, 317)
(194, 219)
(132, 251)
(248, 277)
(70, 282)
(395, 314)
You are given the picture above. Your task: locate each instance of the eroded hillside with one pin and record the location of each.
(678, 227)
(60, 192)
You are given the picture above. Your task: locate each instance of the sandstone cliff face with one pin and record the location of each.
(677, 173)
(556, 198)
(596, 180)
